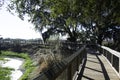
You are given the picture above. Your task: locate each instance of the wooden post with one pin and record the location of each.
(77, 63)
(112, 59)
(69, 72)
(119, 66)
(102, 51)
(105, 53)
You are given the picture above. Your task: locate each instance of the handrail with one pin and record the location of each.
(113, 57)
(66, 69)
(112, 51)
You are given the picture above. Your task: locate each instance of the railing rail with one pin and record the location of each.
(112, 56)
(66, 69)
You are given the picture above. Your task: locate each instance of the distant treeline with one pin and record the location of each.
(20, 41)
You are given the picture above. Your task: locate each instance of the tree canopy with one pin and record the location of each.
(1, 3)
(93, 19)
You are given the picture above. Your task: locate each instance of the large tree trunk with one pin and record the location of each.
(100, 39)
(72, 39)
(72, 36)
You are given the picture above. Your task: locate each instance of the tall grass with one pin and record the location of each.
(49, 56)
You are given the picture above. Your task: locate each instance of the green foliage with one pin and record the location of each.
(14, 54)
(1, 58)
(1, 3)
(66, 16)
(5, 73)
(27, 73)
(28, 63)
(28, 66)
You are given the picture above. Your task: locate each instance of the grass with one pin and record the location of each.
(14, 54)
(5, 73)
(1, 58)
(27, 65)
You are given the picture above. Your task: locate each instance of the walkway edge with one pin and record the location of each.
(111, 65)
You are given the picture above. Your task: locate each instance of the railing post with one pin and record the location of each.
(103, 51)
(112, 59)
(116, 63)
(69, 72)
(119, 65)
(77, 63)
(84, 53)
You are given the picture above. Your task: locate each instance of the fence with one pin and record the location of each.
(66, 69)
(112, 56)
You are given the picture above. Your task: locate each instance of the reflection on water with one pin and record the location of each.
(14, 63)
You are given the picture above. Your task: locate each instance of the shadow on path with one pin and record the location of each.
(103, 69)
(82, 71)
(96, 55)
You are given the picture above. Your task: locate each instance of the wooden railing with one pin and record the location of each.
(66, 69)
(112, 56)
(65, 44)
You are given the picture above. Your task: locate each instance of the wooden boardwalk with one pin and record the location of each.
(96, 67)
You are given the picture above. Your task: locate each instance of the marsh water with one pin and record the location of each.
(14, 63)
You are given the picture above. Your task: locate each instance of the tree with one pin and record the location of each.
(96, 17)
(45, 15)
(1, 3)
(108, 19)
(100, 17)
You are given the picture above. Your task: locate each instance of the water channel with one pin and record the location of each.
(14, 63)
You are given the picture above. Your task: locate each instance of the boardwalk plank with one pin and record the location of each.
(97, 68)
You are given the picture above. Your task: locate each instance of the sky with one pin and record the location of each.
(12, 26)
